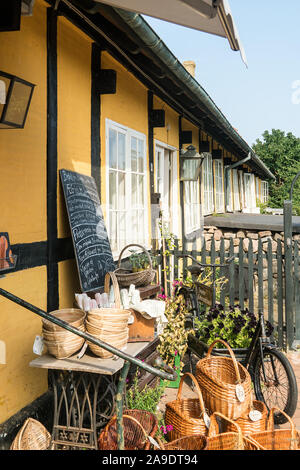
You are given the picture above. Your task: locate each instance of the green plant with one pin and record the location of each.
(262, 206)
(236, 326)
(174, 338)
(145, 399)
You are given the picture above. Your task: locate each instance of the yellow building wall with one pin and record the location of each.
(23, 213)
(23, 151)
(170, 133)
(19, 383)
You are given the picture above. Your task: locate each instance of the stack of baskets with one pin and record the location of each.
(60, 342)
(109, 325)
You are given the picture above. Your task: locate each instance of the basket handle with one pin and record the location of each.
(213, 426)
(187, 374)
(231, 354)
(111, 276)
(140, 246)
(270, 426)
(137, 422)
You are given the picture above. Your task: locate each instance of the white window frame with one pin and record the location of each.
(191, 206)
(219, 186)
(236, 191)
(207, 184)
(229, 189)
(264, 191)
(131, 233)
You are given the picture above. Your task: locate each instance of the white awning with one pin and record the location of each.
(210, 16)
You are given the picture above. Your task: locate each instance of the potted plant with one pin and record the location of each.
(173, 341)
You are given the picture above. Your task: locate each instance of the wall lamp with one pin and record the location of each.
(15, 98)
(190, 164)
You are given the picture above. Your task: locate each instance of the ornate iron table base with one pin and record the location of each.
(83, 403)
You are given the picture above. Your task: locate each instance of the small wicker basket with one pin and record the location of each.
(193, 442)
(32, 436)
(248, 425)
(139, 279)
(277, 439)
(220, 380)
(186, 415)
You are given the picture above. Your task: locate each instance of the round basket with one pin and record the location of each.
(32, 436)
(64, 335)
(118, 341)
(64, 349)
(186, 415)
(73, 316)
(248, 425)
(225, 384)
(137, 426)
(139, 279)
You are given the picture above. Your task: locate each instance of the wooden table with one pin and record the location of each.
(84, 395)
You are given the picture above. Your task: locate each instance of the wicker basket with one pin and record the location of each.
(32, 436)
(227, 440)
(137, 426)
(109, 325)
(277, 439)
(220, 379)
(73, 316)
(60, 342)
(193, 442)
(248, 425)
(139, 279)
(186, 415)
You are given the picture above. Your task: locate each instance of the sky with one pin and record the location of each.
(264, 96)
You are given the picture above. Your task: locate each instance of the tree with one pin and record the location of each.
(281, 154)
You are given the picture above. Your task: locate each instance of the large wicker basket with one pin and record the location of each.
(193, 442)
(248, 425)
(186, 415)
(138, 425)
(220, 380)
(109, 325)
(32, 436)
(73, 316)
(277, 439)
(227, 440)
(139, 279)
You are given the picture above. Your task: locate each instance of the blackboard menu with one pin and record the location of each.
(91, 244)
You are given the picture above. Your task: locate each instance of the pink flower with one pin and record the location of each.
(176, 352)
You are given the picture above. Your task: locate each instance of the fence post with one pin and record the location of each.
(288, 256)
(280, 294)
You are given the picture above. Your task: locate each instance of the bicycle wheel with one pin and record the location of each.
(280, 387)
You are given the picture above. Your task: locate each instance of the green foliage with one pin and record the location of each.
(173, 339)
(146, 399)
(262, 206)
(281, 154)
(236, 327)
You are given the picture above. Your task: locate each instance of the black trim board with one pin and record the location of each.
(95, 116)
(52, 267)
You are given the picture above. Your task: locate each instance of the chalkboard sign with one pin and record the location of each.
(92, 248)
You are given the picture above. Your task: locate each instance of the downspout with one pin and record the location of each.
(231, 167)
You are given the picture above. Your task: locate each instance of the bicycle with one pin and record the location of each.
(272, 374)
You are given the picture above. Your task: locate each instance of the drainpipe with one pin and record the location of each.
(231, 167)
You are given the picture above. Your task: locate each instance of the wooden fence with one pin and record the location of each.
(256, 279)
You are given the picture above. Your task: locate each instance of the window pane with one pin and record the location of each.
(133, 154)
(134, 194)
(121, 190)
(141, 190)
(121, 151)
(112, 190)
(141, 156)
(113, 230)
(112, 148)
(122, 229)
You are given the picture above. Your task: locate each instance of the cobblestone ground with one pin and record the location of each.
(187, 392)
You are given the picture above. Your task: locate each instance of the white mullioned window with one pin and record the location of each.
(127, 214)
(247, 185)
(219, 186)
(264, 191)
(236, 191)
(191, 205)
(229, 189)
(207, 184)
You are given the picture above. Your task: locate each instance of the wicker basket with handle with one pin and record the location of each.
(228, 440)
(186, 415)
(138, 425)
(140, 278)
(249, 424)
(193, 442)
(225, 384)
(109, 325)
(277, 439)
(32, 436)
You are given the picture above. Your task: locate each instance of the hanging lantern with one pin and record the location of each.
(15, 98)
(190, 164)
